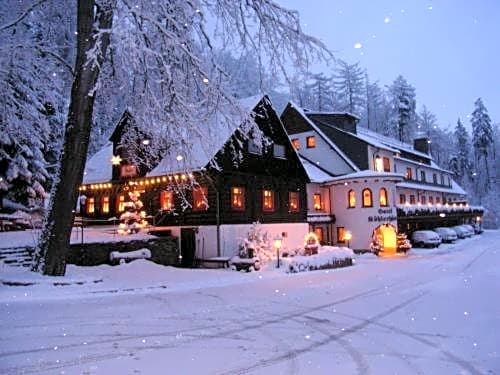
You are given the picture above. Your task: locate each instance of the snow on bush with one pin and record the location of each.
(327, 257)
(257, 244)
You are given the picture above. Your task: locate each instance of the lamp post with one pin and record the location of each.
(348, 237)
(278, 241)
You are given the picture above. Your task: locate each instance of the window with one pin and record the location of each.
(387, 165)
(340, 234)
(317, 203)
(351, 199)
(412, 199)
(434, 178)
(379, 164)
(409, 173)
(200, 199)
(238, 198)
(438, 200)
(442, 179)
(120, 203)
(431, 200)
(318, 231)
(402, 198)
(311, 142)
(128, 170)
(296, 143)
(90, 205)
(422, 199)
(383, 197)
(166, 200)
(422, 176)
(268, 200)
(367, 198)
(293, 201)
(254, 147)
(449, 181)
(279, 151)
(105, 204)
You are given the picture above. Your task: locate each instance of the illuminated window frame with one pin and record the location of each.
(409, 173)
(387, 164)
(296, 143)
(383, 197)
(340, 234)
(166, 200)
(318, 231)
(311, 141)
(367, 198)
(268, 200)
(351, 199)
(200, 197)
(90, 205)
(238, 198)
(120, 203)
(293, 201)
(105, 204)
(317, 202)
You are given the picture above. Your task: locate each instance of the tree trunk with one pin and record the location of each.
(94, 23)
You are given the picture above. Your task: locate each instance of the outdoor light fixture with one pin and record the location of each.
(348, 237)
(442, 214)
(146, 142)
(179, 157)
(116, 160)
(278, 241)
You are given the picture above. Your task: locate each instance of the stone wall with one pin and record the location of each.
(164, 250)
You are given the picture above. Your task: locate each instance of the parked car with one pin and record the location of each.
(469, 229)
(422, 238)
(446, 234)
(461, 231)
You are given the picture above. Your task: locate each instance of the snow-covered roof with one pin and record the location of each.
(367, 174)
(314, 173)
(200, 145)
(454, 189)
(432, 165)
(98, 168)
(392, 143)
(325, 138)
(334, 113)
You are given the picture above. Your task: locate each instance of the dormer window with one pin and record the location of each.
(379, 164)
(387, 164)
(279, 151)
(311, 142)
(296, 143)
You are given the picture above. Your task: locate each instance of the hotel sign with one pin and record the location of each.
(384, 214)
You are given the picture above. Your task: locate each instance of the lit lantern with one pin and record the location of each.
(116, 160)
(348, 237)
(278, 242)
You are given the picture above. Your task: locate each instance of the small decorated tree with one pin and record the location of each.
(133, 219)
(256, 245)
(376, 245)
(403, 243)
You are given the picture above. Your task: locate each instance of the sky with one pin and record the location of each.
(449, 50)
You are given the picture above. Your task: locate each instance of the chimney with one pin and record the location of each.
(422, 144)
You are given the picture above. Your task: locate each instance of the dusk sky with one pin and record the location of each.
(449, 50)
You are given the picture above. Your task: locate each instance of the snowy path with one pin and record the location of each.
(434, 312)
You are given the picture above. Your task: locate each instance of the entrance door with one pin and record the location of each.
(188, 246)
(387, 233)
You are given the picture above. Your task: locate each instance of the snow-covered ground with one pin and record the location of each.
(432, 312)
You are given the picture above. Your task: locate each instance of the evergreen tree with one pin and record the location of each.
(404, 103)
(349, 83)
(482, 141)
(319, 89)
(460, 163)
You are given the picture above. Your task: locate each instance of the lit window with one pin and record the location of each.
(90, 205)
(238, 198)
(402, 198)
(120, 203)
(367, 198)
(409, 173)
(434, 178)
(379, 164)
(318, 205)
(268, 200)
(431, 200)
(340, 234)
(296, 143)
(351, 199)
(293, 201)
(383, 197)
(412, 199)
(318, 231)
(422, 199)
(422, 176)
(166, 200)
(128, 170)
(279, 151)
(387, 165)
(200, 199)
(105, 205)
(438, 200)
(311, 142)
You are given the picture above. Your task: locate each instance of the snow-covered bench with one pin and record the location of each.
(116, 257)
(224, 261)
(245, 264)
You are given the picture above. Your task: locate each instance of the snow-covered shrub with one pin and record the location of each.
(258, 244)
(327, 257)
